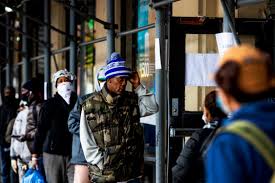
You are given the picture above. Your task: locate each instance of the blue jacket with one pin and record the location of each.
(231, 159)
(73, 125)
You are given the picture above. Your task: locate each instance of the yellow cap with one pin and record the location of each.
(254, 72)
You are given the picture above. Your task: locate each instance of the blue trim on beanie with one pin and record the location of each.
(121, 71)
(113, 74)
(117, 72)
(116, 69)
(118, 75)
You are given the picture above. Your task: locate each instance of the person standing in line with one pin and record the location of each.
(8, 111)
(189, 167)
(19, 151)
(81, 173)
(53, 138)
(25, 127)
(34, 97)
(244, 84)
(110, 131)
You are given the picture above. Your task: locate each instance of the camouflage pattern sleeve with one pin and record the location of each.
(91, 150)
(146, 101)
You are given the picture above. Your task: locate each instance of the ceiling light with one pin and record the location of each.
(8, 9)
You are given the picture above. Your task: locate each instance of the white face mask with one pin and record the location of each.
(64, 90)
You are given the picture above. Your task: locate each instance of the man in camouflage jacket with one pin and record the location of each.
(110, 131)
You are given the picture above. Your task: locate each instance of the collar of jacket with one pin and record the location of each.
(108, 97)
(72, 99)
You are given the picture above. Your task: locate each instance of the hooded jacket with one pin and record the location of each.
(231, 158)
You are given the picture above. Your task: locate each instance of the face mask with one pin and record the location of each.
(204, 119)
(64, 90)
(221, 105)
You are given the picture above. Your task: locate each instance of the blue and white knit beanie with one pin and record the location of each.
(116, 67)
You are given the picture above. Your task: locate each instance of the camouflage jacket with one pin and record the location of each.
(112, 136)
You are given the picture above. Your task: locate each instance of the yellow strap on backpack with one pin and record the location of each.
(257, 138)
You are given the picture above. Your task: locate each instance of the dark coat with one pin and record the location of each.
(8, 111)
(52, 130)
(73, 124)
(32, 120)
(190, 166)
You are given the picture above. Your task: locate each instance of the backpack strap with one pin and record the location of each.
(256, 137)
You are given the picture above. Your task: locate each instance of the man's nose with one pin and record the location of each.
(124, 82)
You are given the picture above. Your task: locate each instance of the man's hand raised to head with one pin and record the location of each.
(134, 79)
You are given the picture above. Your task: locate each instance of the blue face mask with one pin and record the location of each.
(221, 105)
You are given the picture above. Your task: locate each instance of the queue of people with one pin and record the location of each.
(98, 137)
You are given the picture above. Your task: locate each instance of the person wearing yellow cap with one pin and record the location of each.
(244, 84)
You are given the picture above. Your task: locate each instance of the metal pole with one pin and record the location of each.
(125, 33)
(121, 34)
(163, 3)
(93, 41)
(26, 68)
(47, 52)
(37, 58)
(241, 3)
(82, 60)
(8, 64)
(160, 95)
(229, 16)
(111, 31)
(73, 46)
(226, 18)
(10, 47)
(86, 16)
(61, 50)
(22, 32)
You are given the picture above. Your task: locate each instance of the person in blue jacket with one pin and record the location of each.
(244, 80)
(81, 173)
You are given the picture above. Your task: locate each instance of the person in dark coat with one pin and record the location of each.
(8, 111)
(189, 167)
(33, 94)
(53, 138)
